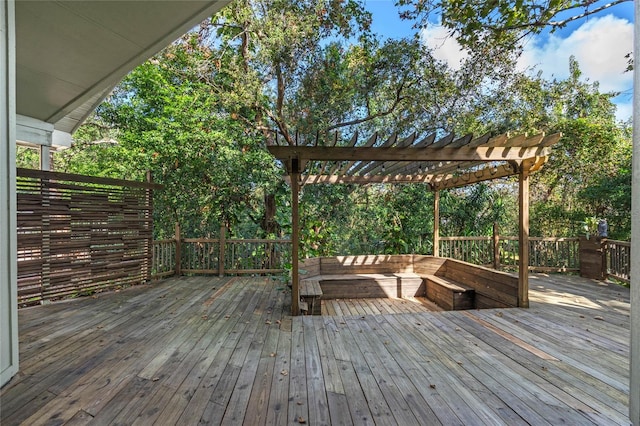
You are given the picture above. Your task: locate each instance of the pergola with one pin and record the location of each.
(448, 162)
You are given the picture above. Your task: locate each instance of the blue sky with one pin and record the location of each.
(598, 42)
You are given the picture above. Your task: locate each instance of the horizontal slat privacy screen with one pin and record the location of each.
(78, 234)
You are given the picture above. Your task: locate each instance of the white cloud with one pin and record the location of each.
(445, 48)
(599, 45)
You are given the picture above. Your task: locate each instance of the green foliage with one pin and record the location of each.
(590, 226)
(472, 210)
(588, 172)
(199, 114)
(27, 157)
(610, 197)
(212, 167)
(482, 25)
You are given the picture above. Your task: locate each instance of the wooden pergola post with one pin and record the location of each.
(436, 223)
(523, 238)
(295, 236)
(496, 247)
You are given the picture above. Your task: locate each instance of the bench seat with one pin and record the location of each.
(310, 287)
(448, 294)
(352, 286)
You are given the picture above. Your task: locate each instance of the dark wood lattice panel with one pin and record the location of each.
(78, 234)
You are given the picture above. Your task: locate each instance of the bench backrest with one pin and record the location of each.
(364, 264)
(493, 288)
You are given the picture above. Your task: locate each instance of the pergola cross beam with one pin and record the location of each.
(426, 154)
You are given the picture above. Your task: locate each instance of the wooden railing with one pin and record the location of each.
(546, 254)
(219, 256)
(164, 258)
(250, 256)
(476, 250)
(618, 259)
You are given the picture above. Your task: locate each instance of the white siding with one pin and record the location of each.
(8, 265)
(634, 396)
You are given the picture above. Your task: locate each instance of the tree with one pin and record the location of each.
(27, 157)
(267, 46)
(480, 25)
(594, 148)
(169, 121)
(200, 113)
(309, 68)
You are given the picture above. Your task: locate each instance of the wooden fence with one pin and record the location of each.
(219, 256)
(164, 258)
(78, 234)
(618, 259)
(264, 256)
(546, 254)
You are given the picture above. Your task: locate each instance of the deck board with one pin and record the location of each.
(377, 306)
(193, 350)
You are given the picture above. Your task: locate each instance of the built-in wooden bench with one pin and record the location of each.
(352, 286)
(491, 288)
(362, 286)
(449, 283)
(448, 294)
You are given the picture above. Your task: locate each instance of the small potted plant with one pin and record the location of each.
(590, 226)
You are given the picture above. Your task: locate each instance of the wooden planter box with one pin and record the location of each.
(593, 262)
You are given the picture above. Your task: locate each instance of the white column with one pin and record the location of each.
(634, 395)
(8, 262)
(45, 157)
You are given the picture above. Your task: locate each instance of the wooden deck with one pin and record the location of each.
(378, 306)
(225, 351)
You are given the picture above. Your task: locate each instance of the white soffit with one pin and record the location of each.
(70, 54)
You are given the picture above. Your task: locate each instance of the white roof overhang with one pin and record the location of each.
(70, 54)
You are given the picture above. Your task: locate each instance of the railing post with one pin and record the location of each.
(221, 251)
(605, 258)
(496, 247)
(177, 237)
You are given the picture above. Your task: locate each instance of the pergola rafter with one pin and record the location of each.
(448, 162)
(405, 160)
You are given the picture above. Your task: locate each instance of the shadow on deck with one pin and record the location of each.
(210, 350)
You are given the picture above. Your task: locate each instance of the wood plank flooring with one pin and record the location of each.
(194, 350)
(377, 306)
